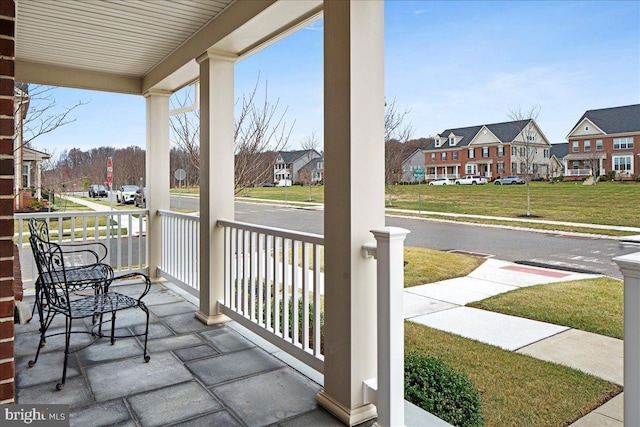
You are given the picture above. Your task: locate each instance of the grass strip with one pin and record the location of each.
(515, 389)
(428, 266)
(592, 305)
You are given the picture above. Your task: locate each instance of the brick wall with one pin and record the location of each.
(7, 51)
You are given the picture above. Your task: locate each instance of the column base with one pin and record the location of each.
(211, 320)
(350, 417)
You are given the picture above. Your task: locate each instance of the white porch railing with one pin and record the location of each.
(578, 172)
(122, 232)
(274, 287)
(180, 252)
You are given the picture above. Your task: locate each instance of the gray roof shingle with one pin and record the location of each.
(560, 150)
(505, 132)
(623, 119)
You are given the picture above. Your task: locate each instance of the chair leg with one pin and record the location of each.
(146, 355)
(113, 327)
(60, 385)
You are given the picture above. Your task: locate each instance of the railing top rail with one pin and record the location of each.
(66, 214)
(191, 216)
(279, 232)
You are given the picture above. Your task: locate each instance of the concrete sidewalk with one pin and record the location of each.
(440, 305)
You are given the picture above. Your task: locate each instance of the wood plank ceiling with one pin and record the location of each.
(118, 37)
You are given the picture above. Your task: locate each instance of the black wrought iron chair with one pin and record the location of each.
(62, 289)
(87, 265)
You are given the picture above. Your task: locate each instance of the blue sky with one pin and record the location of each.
(451, 63)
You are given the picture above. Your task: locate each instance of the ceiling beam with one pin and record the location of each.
(52, 75)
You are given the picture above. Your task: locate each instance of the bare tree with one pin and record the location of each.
(397, 131)
(310, 144)
(185, 125)
(528, 142)
(592, 161)
(39, 110)
(260, 132)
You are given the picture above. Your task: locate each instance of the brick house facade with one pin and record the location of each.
(7, 70)
(494, 150)
(604, 140)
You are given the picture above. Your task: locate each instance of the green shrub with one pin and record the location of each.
(438, 389)
(611, 175)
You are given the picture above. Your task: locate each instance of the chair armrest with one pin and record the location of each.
(134, 275)
(99, 255)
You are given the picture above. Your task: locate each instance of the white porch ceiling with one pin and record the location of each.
(135, 45)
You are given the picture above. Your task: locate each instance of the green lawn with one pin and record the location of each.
(594, 305)
(515, 389)
(428, 266)
(612, 203)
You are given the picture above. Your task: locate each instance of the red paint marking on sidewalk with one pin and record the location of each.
(535, 271)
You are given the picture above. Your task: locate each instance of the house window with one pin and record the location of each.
(485, 151)
(454, 155)
(545, 153)
(452, 141)
(472, 153)
(535, 168)
(587, 145)
(433, 156)
(25, 176)
(500, 151)
(438, 142)
(598, 145)
(472, 169)
(514, 151)
(443, 155)
(622, 143)
(500, 167)
(523, 168)
(575, 146)
(623, 163)
(575, 164)
(514, 167)
(531, 136)
(523, 151)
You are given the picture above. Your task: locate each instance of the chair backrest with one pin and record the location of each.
(39, 227)
(52, 279)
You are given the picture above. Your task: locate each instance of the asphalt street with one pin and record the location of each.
(559, 250)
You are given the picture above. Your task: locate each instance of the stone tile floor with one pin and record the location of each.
(198, 375)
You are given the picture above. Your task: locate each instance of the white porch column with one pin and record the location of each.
(630, 267)
(390, 291)
(565, 168)
(354, 199)
(216, 177)
(38, 176)
(158, 174)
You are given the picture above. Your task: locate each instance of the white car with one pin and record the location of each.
(441, 181)
(126, 194)
(471, 180)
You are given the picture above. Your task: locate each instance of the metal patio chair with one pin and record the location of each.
(87, 265)
(62, 287)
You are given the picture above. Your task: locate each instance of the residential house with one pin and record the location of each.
(312, 171)
(412, 163)
(26, 160)
(509, 148)
(604, 140)
(556, 162)
(289, 163)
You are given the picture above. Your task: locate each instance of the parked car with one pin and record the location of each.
(471, 179)
(97, 190)
(441, 181)
(509, 180)
(140, 198)
(126, 193)
(268, 184)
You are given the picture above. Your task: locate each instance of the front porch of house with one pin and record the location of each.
(199, 375)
